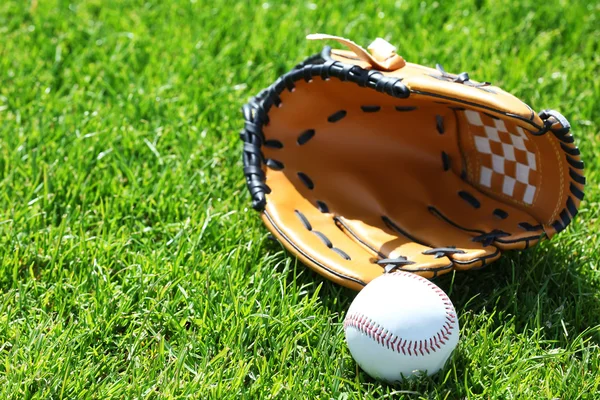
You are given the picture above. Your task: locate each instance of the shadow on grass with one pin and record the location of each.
(545, 282)
(546, 286)
(544, 293)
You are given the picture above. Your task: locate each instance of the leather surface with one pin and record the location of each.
(362, 176)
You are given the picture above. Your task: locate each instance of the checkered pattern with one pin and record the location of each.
(507, 158)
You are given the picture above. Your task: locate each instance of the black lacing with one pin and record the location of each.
(257, 110)
(549, 118)
(443, 251)
(391, 264)
(487, 239)
(463, 78)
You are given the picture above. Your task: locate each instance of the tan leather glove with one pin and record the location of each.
(361, 163)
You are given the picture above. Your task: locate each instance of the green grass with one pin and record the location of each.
(132, 265)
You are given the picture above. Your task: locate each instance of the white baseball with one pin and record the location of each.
(400, 324)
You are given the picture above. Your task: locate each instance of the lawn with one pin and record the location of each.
(132, 263)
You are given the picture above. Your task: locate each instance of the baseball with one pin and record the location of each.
(400, 325)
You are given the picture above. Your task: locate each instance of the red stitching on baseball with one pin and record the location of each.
(364, 324)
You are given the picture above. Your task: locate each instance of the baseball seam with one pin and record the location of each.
(385, 338)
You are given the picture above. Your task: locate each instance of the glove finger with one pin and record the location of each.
(484, 218)
(315, 238)
(400, 251)
(419, 229)
(422, 238)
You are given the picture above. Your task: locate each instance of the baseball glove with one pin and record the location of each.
(361, 163)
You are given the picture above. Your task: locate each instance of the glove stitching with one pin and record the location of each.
(561, 189)
(481, 233)
(405, 108)
(443, 251)
(445, 161)
(336, 116)
(572, 155)
(576, 192)
(321, 236)
(500, 213)
(573, 151)
(274, 164)
(322, 206)
(306, 180)
(370, 109)
(577, 177)
(273, 144)
(574, 163)
(462, 78)
(530, 228)
(469, 198)
(384, 260)
(439, 124)
(305, 136)
(301, 252)
(397, 344)
(571, 207)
